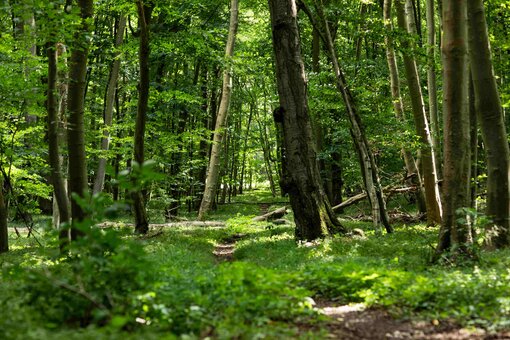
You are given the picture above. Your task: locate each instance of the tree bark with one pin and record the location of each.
(492, 123)
(4, 235)
(57, 177)
(109, 103)
(313, 215)
(432, 84)
(221, 119)
(430, 181)
(76, 98)
(369, 169)
(456, 231)
(144, 15)
(412, 170)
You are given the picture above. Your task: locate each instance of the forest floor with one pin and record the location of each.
(357, 322)
(234, 278)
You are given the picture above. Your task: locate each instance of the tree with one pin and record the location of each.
(144, 15)
(57, 178)
(300, 175)
(398, 106)
(456, 231)
(211, 182)
(109, 103)
(369, 168)
(432, 83)
(422, 125)
(76, 105)
(492, 123)
(4, 235)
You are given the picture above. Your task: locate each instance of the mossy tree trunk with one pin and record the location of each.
(492, 123)
(76, 99)
(300, 176)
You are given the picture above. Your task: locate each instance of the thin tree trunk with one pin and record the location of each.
(245, 148)
(301, 178)
(4, 235)
(144, 15)
(474, 142)
(456, 231)
(57, 177)
(221, 119)
(430, 181)
(368, 166)
(412, 170)
(109, 103)
(432, 85)
(492, 123)
(76, 99)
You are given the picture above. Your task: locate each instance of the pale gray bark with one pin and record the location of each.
(213, 171)
(109, 103)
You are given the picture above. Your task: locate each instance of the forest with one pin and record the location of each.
(244, 169)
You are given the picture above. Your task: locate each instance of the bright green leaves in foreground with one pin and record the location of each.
(172, 284)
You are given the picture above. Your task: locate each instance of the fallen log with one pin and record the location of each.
(272, 215)
(388, 191)
(166, 225)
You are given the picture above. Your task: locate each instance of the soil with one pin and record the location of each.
(354, 322)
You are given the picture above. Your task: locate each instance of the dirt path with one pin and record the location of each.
(354, 322)
(225, 250)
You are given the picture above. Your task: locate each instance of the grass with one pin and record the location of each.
(172, 286)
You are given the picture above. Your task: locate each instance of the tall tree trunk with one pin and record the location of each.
(57, 177)
(245, 148)
(301, 179)
(491, 118)
(144, 15)
(456, 232)
(109, 103)
(221, 119)
(430, 181)
(369, 169)
(473, 125)
(432, 84)
(76, 98)
(412, 170)
(4, 235)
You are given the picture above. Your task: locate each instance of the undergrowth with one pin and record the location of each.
(170, 285)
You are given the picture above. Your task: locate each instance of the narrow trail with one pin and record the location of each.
(356, 322)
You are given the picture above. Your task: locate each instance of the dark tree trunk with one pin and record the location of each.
(456, 231)
(492, 123)
(4, 235)
(144, 14)
(57, 177)
(76, 97)
(300, 179)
